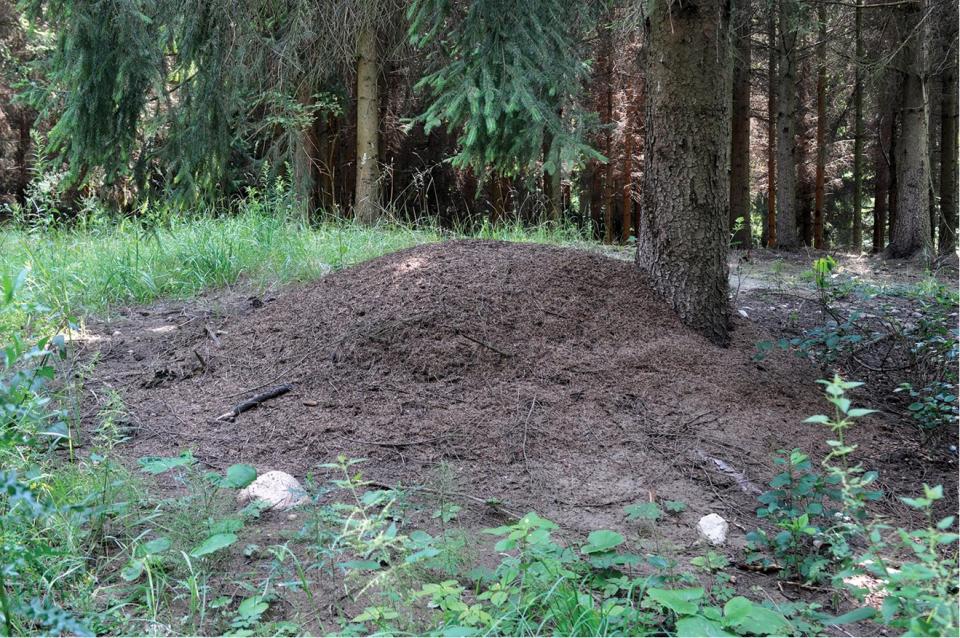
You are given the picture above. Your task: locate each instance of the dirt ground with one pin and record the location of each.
(547, 379)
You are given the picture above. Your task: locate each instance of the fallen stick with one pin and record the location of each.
(745, 484)
(482, 343)
(254, 401)
(263, 385)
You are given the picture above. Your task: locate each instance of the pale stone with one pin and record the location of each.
(713, 529)
(278, 489)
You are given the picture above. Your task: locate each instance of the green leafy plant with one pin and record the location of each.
(818, 515)
(933, 407)
(203, 492)
(29, 426)
(921, 595)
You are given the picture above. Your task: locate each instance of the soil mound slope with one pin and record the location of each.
(552, 379)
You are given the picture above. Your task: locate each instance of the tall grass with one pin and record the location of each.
(91, 267)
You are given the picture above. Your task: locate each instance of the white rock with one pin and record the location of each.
(278, 489)
(713, 529)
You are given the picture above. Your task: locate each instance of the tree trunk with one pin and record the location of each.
(367, 201)
(552, 178)
(682, 243)
(882, 179)
(771, 222)
(596, 198)
(911, 233)
(608, 178)
(892, 158)
(806, 169)
(856, 230)
(789, 18)
(740, 134)
(22, 154)
(306, 160)
(556, 186)
(934, 89)
(325, 135)
(626, 214)
(948, 149)
(821, 126)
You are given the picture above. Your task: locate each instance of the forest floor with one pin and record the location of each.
(506, 378)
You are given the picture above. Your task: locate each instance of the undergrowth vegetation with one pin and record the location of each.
(90, 546)
(906, 341)
(87, 550)
(97, 261)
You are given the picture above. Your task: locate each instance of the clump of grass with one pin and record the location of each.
(104, 262)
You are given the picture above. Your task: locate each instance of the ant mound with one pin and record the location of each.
(547, 379)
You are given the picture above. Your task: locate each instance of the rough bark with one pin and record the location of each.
(608, 180)
(821, 126)
(626, 212)
(682, 242)
(934, 87)
(805, 140)
(367, 200)
(770, 227)
(789, 18)
(881, 170)
(948, 150)
(740, 134)
(856, 230)
(910, 234)
(892, 158)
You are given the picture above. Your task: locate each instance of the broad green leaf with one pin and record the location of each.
(156, 546)
(161, 464)
(699, 626)
(239, 476)
(226, 526)
(601, 540)
(683, 602)
(252, 608)
(132, 571)
(644, 511)
(213, 543)
(750, 618)
(861, 613)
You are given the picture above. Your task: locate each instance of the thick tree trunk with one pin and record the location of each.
(608, 180)
(856, 230)
(367, 201)
(789, 18)
(948, 151)
(740, 135)
(770, 227)
(892, 158)
(682, 243)
(911, 233)
(821, 126)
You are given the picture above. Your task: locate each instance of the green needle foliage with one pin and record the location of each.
(510, 78)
